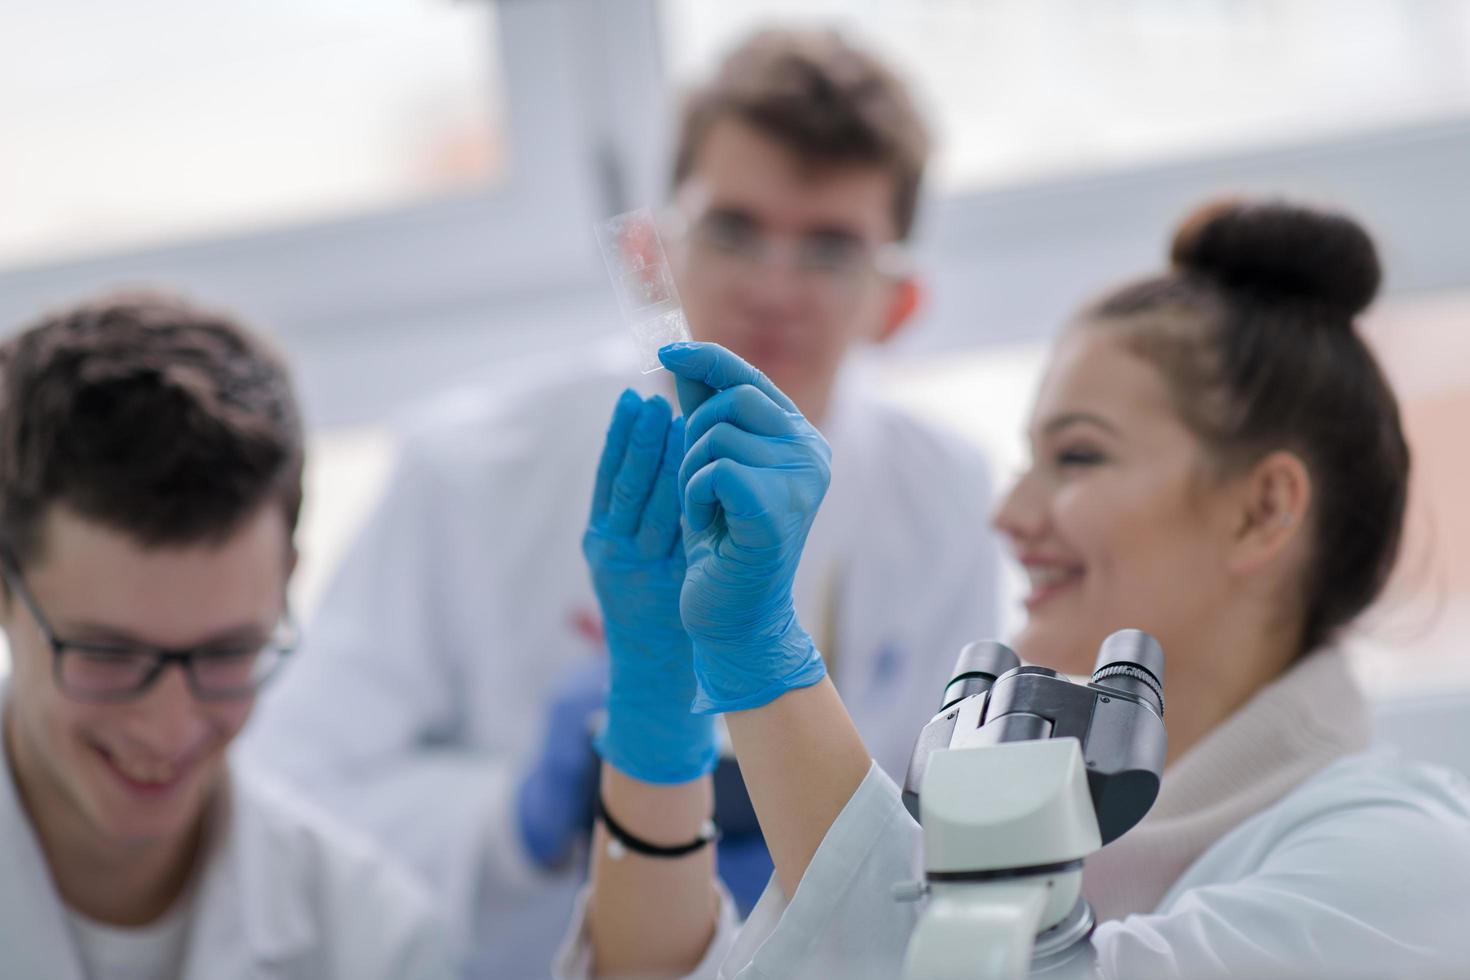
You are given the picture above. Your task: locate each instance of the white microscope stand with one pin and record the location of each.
(1012, 821)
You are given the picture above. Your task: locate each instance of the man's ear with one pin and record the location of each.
(1273, 501)
(902, 305)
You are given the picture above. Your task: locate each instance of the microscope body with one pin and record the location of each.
(1019, 777)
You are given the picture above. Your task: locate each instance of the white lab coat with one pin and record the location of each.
(285, 894)
(417, 700)
(1362, 871)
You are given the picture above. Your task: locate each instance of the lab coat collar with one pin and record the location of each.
(241, 893)
(238, 900)
(35, 940)
(1306, 719)
(1310, 716)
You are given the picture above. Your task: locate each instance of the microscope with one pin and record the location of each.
(1019, 777)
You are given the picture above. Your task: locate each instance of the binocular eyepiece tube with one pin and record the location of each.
(979, 664)
(1133, 662)
(1118, 718)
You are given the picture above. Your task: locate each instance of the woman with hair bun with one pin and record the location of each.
(1217, 460)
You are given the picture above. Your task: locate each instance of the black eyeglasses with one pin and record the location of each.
(111, 673)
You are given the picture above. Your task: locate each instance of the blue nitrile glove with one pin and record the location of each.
(753, 475)
(635, 549)
(554, 804)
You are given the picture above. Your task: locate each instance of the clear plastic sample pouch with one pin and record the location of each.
(644, 283)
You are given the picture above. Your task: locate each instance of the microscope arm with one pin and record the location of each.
(970, 932)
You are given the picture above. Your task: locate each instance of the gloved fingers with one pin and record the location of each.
(639, 468)
(723, 485)
(746, 407)
(725, 441)
(691, 394)
(700, 370)
(625, 413)
(658, 531)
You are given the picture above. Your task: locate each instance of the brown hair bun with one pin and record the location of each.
(1278, 252)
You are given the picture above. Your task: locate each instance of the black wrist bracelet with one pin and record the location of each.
(622, 841)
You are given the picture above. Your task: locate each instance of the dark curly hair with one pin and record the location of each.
(149, 415)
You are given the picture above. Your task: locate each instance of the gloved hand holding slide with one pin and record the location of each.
(753, 475)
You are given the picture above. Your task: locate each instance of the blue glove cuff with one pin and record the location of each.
(650, 733)
(664, 754)
(714, 699)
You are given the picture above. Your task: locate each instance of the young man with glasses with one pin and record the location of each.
(458, 659)
(150, 479)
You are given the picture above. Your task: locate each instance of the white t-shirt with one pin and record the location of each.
(151, 952)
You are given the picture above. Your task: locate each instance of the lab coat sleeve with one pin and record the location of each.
(1363, 892)
(364, 721)
(843, 919)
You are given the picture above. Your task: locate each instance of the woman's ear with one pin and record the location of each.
(1273, 500)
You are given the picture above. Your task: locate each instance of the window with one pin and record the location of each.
(154, 121)
(1028, 89)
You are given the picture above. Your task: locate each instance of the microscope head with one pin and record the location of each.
(1117, 718)
(979, 665)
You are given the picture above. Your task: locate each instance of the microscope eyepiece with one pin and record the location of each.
(979, 664)
(1133, 662)
(1117, 719)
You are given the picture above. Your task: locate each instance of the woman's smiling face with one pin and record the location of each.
(1114, 521)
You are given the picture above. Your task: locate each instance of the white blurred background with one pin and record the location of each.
(402, 192)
